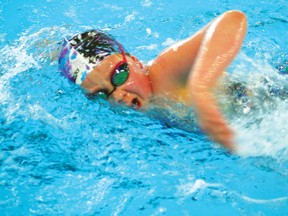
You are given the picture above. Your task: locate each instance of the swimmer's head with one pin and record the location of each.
(83, 52)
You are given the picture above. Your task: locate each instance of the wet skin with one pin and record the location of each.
(134, 92)
(186, 72)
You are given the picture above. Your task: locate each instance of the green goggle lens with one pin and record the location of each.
(120, 75)
(118, 78)
(102, 95)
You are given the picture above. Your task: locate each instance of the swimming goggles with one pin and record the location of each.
(118, 77)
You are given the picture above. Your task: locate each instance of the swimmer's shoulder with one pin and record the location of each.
(162, 85)
(148, 66)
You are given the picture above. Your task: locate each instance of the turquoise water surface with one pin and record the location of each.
(61, 154)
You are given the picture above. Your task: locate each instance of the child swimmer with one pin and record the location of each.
(186, 72)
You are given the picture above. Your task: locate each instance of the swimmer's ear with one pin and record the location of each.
(140, 65)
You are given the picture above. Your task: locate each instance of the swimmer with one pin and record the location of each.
(187, 72)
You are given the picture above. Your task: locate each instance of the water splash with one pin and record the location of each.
(259, 124)
(53, 150)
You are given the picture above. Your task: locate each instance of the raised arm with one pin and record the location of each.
(221, 43)
(195, 64)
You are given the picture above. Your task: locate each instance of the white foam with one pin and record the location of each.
(262, 132)
(146, 3)
(264, 201)
(19, 57)
(131, 17)
(192, 187)
(147, 47)
(168, 42)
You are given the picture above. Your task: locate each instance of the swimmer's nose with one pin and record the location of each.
(122, 96)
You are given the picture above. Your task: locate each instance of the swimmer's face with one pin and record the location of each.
(134, 92)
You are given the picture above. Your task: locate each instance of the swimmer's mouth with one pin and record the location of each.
(136, 103)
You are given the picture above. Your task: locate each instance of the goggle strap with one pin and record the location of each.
(122, 52)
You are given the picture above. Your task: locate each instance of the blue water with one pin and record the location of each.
(64, 155)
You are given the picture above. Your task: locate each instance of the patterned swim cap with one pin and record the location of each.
(83, 52)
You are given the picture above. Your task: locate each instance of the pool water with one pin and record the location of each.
(62, 154)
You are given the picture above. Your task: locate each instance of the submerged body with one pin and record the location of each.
(186, 72)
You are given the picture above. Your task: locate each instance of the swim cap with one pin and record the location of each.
(83, 52)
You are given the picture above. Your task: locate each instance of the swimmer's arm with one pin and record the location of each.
(199, 61)
(172, 67)
(221, 43)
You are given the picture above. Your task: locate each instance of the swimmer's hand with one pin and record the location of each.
(210, 118)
